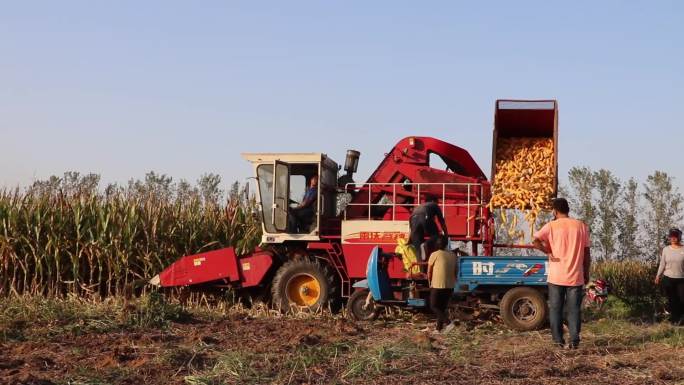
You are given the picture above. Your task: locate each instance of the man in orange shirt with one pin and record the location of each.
(566, 241)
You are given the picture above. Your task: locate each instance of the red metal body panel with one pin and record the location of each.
(418, 154)
(395, 268)
(202, 267)
(356, 260)
(254, 267)
(402, 214)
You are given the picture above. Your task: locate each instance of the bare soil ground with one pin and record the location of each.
(240, 348)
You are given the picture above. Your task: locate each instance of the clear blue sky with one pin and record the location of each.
(123, 87)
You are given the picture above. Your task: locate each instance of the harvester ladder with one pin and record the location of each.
(335, 254)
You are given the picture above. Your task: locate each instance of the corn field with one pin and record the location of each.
(57, 239)
(629, 279)
(66, 235)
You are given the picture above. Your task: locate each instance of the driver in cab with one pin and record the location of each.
(301, 216)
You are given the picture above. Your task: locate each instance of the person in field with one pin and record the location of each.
(302, 215)
(566, 241)
(442, 273)
(671, 276)
(422, 222)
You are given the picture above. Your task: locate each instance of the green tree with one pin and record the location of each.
(628, 222)
(209, 188)
(607, 193)
(582, 188)
(663, 210)
(185, 192)
(155, 186)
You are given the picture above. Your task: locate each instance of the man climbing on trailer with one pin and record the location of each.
(422, 223)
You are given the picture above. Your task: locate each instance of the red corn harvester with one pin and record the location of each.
(316, 263)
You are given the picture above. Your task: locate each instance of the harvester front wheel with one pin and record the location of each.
(361, 306)
(523, 309)
(304, 284)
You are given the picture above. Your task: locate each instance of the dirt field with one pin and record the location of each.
(240, 348)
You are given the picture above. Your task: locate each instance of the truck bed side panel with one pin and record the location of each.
(480, 271)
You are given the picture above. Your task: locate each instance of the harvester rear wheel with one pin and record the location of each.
(523, 309)
(304, 284)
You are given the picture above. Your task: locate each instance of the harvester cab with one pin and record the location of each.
(296, 194)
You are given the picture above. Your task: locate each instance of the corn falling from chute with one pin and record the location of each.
(524, 180)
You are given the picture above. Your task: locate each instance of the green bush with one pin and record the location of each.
(154, 311)
(48, 317)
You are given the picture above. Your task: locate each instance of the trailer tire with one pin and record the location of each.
(523, 309)
(304, 284)
(356, 310)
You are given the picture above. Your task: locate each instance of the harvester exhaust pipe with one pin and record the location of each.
(351, 164)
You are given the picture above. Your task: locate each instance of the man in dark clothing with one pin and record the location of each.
(422, 223)
(301, 216)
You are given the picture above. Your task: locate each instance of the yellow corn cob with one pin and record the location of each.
(524, 178)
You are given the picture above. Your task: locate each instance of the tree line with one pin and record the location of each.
(627, 219)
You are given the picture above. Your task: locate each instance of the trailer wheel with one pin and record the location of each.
(357, 308)
(304, 284)
(523, 309)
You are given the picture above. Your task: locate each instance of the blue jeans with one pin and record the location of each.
(566, 299)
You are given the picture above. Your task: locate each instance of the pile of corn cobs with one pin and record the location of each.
(524, 180)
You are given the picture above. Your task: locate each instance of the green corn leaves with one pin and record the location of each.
(55, 240)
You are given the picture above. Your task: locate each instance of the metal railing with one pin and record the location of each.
(466, 188)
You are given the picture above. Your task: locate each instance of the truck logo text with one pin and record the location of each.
(483, 268)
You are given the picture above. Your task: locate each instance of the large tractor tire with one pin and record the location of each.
(523, 309)
(359, 310)
(304, 284)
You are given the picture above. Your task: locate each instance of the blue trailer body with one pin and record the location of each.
(474, 274)
(515, 285)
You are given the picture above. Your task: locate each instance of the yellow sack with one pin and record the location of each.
(408, 255)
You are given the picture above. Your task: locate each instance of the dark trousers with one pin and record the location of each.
(419, 228)
(299, 220)
(674, 290)
(568, 300)
(439, 302)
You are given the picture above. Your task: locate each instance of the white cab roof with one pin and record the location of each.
(290, 157)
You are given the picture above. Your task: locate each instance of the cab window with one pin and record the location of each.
(265, 176)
